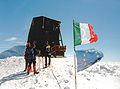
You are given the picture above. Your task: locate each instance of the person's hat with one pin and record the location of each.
(34, 42)
(28, 44)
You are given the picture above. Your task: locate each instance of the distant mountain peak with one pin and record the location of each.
(14, 51)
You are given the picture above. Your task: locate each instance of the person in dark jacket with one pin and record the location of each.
(47, 54)
(25, 56)
(32, 59)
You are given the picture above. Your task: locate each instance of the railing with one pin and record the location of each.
(58, 50)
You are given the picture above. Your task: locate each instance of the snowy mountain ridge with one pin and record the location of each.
(14, 51)
(102, 75)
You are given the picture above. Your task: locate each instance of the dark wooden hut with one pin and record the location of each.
(44, 29)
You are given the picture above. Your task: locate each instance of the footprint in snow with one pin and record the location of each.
(66, 81)
(31, 88)
(46, 85)
(67, 87)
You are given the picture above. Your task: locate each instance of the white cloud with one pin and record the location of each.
(11, 39)
(20, 42)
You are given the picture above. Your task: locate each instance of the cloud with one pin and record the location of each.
(20, 42)
(11, 39)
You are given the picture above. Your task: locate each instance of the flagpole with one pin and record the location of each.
(75, 69)
(74, 58)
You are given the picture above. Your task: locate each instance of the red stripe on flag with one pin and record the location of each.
(93, 36)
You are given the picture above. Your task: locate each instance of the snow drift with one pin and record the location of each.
(102, 75)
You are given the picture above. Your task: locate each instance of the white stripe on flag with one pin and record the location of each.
(85, 33)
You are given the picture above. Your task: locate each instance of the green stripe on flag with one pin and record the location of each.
(77, 33)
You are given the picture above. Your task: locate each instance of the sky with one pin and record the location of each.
(104, 15)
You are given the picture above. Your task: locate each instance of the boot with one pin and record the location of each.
(28, 70)
(34, 69)
(24, 70)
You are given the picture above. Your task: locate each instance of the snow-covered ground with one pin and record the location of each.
(60, 75)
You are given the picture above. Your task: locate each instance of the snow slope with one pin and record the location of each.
(60, 75)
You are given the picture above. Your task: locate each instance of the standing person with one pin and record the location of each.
(26, 55)
(32, 59)
(47, 54)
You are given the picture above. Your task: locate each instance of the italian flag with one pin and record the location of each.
(83, 33)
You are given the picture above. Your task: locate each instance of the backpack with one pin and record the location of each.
(48, 50)
(29, 54)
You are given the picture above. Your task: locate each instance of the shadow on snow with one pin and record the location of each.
(15, 76)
